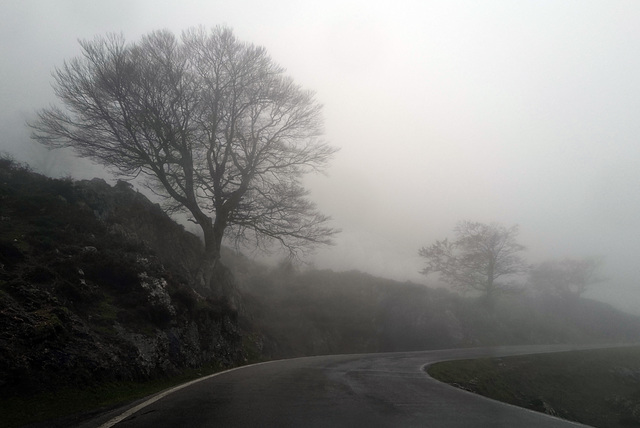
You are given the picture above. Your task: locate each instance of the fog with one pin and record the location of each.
(496, 111)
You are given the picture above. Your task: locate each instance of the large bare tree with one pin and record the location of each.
(214, 125)
(482, 257)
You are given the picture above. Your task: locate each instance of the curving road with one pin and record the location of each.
(369, 390)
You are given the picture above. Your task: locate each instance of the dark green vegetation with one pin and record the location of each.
(95, 293)
(600, 388)
(67, 406)
(99, 300)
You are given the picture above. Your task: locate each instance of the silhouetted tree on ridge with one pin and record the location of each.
(482, 257)
(567, 278)
(216, 127)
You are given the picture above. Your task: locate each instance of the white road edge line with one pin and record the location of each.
(163, 394)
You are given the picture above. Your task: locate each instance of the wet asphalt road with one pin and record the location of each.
(369, 390)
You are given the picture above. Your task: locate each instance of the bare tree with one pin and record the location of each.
(482, 257)
(214, 125)
(567, 278)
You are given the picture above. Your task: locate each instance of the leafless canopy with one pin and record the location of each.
(483, 257)
(567, 278)
(214, 124)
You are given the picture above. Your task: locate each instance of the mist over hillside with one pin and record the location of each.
(448, 174)
(97, 285)
(325, 312)
(442, 110)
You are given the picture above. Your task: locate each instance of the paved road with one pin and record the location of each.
(369, 390)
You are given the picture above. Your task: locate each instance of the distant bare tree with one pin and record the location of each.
(567, 278)
(482, 257)
(215, 126)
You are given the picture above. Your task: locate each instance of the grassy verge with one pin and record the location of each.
(600, 388)
(69, 406)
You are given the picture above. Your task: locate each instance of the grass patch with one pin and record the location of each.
(70, 406)
(600, 388)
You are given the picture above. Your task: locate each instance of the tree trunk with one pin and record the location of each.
(213, 279)
(489, 298)
(489, 295)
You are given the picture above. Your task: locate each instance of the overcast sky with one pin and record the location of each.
(518, 112)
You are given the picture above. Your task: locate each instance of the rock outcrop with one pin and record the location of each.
(95, 287)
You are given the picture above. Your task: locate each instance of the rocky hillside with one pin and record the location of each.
(94, 287)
